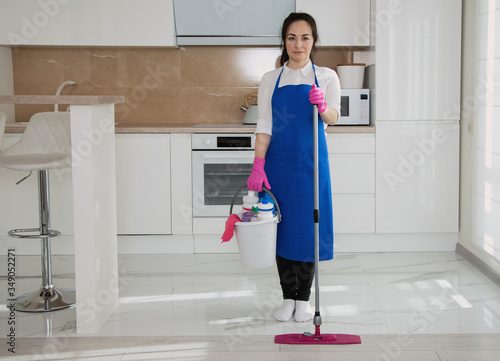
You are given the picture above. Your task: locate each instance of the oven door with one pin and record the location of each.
(217, 176)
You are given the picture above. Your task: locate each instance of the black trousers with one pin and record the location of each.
(296, 278)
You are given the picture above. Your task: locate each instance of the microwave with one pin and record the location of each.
(354, 107)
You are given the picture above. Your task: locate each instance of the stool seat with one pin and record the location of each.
(44, 145)
(32, 162)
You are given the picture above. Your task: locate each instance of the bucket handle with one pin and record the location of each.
(278, 214)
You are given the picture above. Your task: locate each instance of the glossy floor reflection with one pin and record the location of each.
(203, 294)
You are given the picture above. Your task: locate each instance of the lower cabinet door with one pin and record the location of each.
(417, 176)
(352, 173)
(353, 213)
(143, 184)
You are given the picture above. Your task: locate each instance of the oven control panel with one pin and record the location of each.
(223, 141)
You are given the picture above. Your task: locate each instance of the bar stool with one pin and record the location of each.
(44, 145)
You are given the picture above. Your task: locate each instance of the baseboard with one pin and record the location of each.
(479, 264)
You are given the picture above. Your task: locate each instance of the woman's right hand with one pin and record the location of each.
(258, 176)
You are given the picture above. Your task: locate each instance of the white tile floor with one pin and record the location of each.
(214, 295)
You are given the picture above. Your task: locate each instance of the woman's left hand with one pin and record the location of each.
(317, 96)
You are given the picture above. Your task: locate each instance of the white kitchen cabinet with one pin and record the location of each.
(143, 184)
(230, 22)
(182, 184)
(353, 213)
(417, 176)
(418, 52)
(352, 169)
(87, 23)
(352, 173)
(339, 22)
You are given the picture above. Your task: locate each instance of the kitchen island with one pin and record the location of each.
(94, 202)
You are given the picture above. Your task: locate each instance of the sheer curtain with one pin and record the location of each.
(485, 177)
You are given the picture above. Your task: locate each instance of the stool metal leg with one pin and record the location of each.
(47, 298)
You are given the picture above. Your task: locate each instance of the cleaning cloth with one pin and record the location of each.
(229, 231)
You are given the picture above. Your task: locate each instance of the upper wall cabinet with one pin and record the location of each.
(340, 22)
(87, 23)
(418, 50)
(230, 22)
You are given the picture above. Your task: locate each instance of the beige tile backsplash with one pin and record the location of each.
(161, 85)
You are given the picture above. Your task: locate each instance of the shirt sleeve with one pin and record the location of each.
(265, 121)
(332, 89)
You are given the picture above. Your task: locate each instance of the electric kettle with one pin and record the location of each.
(251, 111)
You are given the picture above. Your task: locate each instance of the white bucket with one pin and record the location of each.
(351, 75)
(257, 242)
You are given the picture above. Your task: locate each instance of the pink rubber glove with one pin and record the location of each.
(258, 176)
(317, 96)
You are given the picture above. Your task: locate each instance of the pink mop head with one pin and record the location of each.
(317, 339)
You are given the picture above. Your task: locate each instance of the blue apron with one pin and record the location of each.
(290, 170)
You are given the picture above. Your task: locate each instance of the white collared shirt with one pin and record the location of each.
(327, 80)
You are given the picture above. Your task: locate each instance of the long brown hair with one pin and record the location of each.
(293, 17)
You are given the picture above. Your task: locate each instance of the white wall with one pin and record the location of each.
(480, 157)
(6, 81)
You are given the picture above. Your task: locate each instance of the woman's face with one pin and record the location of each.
(299, 43)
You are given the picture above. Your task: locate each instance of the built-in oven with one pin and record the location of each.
(221, 165)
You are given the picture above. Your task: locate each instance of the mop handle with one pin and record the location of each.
(317, 315)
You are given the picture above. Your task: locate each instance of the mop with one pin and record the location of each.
(308, 338)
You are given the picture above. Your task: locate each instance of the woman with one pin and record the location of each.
(284, 159)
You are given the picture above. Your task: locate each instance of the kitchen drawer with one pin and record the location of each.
(351, 143)
(352, 173)
(354, 213)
